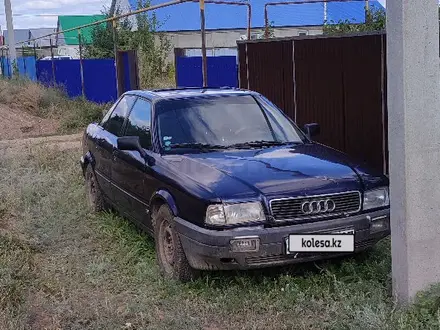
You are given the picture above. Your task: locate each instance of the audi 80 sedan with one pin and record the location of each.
(223, 179)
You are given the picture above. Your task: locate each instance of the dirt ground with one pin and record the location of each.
(60, 142)
(16, 124)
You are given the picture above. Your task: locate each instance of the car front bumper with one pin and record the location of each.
(211, 249)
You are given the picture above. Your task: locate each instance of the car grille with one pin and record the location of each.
(290, 209)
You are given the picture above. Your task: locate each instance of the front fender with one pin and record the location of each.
(165, 196)
(86, 160)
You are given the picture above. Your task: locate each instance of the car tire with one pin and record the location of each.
(95, 199)
(170, 255)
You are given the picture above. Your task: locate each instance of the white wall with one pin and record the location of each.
(72, 51)
(228, 38)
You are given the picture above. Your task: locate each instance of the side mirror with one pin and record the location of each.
(312, 130)
(133, 143)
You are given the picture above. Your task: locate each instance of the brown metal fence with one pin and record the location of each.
(267, 67)
(338, 82)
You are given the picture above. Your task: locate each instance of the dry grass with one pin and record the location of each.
(38, 100)
(29, 96)
(62, 268)
(164, 81)
(66, 115)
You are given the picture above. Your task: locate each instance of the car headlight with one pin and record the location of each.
(232, 214)
(376, 198)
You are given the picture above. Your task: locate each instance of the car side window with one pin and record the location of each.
(113, 122)
(139, 122)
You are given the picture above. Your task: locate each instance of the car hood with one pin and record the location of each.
(309, 169)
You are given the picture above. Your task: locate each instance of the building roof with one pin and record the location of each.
(20, 35)
(37, 33)
(23, 35)
(186, 16)
(68, 22)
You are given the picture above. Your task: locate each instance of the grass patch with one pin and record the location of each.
(36, 99)
(99, 272)
(15, 272)
(78, 113)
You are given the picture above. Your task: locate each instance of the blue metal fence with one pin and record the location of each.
(99, 75)
(25, 66)
(99, 78)
(222, 71)
(67, 75)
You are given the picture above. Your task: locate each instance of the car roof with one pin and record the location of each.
(173, 93)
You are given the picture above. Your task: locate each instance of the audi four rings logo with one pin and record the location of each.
(318, 206)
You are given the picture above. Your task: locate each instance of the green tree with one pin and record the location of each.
(269, 31)
(375, 20)
(102, 45)
(152, 46)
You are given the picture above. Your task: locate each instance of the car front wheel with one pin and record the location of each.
(170, 255)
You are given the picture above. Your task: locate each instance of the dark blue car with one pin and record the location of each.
(222, 179)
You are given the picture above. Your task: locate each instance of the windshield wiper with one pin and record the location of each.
(200, 146)
(261, 143)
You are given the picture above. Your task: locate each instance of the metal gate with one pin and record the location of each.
(222, 71)
(338, 82)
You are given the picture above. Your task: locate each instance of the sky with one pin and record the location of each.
(28, 13)
(24, 11)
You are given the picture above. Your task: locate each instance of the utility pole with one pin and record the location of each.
(325, 12)
(413, 121)
(202, 31)
(11, 38)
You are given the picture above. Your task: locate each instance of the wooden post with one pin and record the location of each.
(266, 23)
(24, 60)
(36, 59)
(115, 51)
(53, 63)
(202, 30)
(81, 68)
(3, 63)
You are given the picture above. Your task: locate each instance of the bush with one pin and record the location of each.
(79, 113)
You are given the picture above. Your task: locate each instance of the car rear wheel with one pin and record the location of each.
(95, 198)
(170, 255)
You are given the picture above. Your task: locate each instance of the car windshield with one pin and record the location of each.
(223, 121)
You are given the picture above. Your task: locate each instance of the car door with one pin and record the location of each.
(105, 142)
(132, 177)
